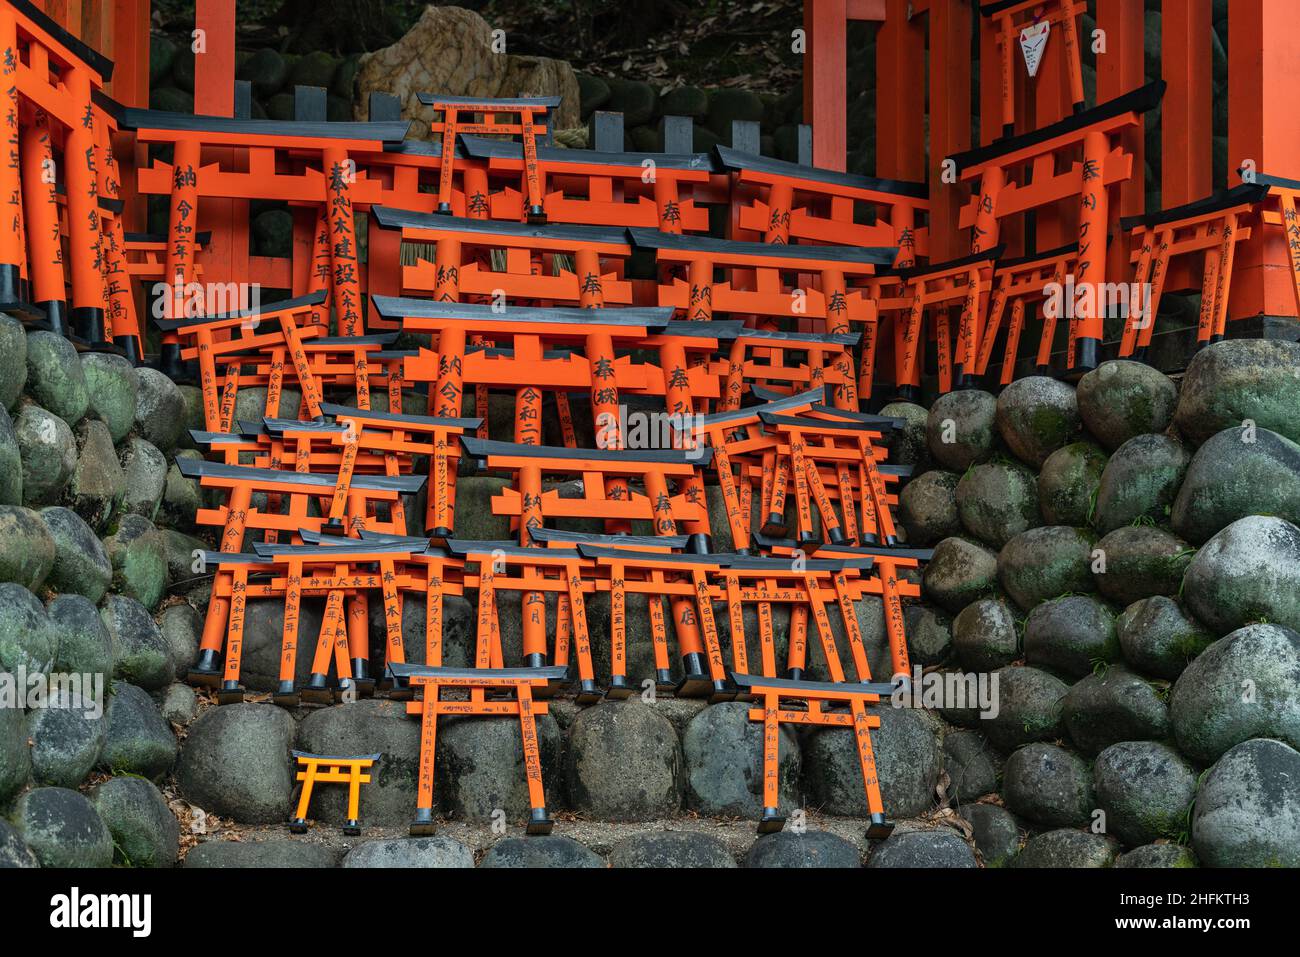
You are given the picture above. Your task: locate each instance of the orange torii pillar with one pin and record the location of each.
(825, 97)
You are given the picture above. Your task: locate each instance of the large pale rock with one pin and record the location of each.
(49, 454)
(1246, 685)
(1238, 472)
(449, 51)
(1235, 380)
(1248, 572)
(1246, 812)
(235, 763)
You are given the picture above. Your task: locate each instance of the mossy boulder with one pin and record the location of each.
(1046, 562)
(1048, 785)
(985, 636)
(1029, 707)
(961, 429)
(1036, 416)
(1071, 635)
(1140, 482)
(997, 501)
(1235, 473)
(98, 483)
(1114, 705)
(49, 455)
(55, 378)
(908, 445)
(81, 564)
(1138, 561)
(1068, 483)
(13, 360)
(1248, 572)
(113, 386)
(1121, 400)
(1067, 848)
(685, 101)
(11, 464)
(1159, 638)
(139, 558)
(1246, 814)
(27, 549)
(958, 573)
(1245, 685)
(927, 508)
(1239, 379)
(1146, 789)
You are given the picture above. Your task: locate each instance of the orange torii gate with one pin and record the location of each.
(1004, 189)
(1021, 282)
(785, 202)
(596, 188)
(1028, 23)
(1211, 228)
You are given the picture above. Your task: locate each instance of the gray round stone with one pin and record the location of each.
(54, 376)
(81, 565)
(960, 429)
(13, 360)
(958, 573)
(1068, 483)
(806, 850)
(15, 755)
(1067, 848)
(177, 703)
(26, 547)
(139, 557)
(1145, 788)
(1140, 561)
(927, 508)
(985, 636)
(112, 384)
(265, 854)
(145, 468)
(997, 501)
(98, 483)
(624, 763)
(1140, 481)
(1036, 416)
(1115, 705)
(941, 847)
(263, 637)
(1246, 812)
(549, 851)
(929, 634)
(908, 445)
(1045, 563)
(62, 829)
(140, 654)
(159, 409)
(1048, 785)
(437, 851)
(368, 726)
(83, 645)
(1071, 635)
(973, 767)
(677, 849)
(1238, 472)
(13, 852)
(480, 767)
(909, 759)
(1245, 685)
(1158, 638)
(139, 740)
(1231, 381)
(1248, 572)
(1121, 399)
(182, 630)
(49, 454)
(27, 639)
(66, 736)
(995, 831)
(235, 763)
(1158, 855)
(723, 751)
(145, 832)
(1029, 707)
(11, 461)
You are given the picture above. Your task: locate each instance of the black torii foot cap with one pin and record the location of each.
(879, 828)
(297, 826)
(771, 822)
(539, 823)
